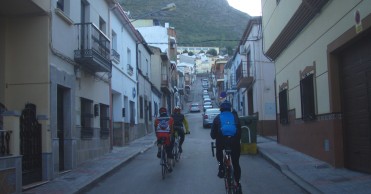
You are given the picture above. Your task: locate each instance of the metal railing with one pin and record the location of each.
(115, 55)
(5, 142)
(92, 43)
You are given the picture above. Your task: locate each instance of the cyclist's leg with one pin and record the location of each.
(219, 157)
(236, 152)
(219, 150)
(170, 156)
(181, 135)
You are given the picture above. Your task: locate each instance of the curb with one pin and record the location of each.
(112, 170)
(284, 168)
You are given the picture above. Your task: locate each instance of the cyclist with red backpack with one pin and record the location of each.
(164, 131)
(226, 128)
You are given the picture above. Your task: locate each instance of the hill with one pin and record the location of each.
(197, 22)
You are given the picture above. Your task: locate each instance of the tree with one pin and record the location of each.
(229, 50)
(212, 52)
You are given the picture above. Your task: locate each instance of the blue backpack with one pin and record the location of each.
(228, 126)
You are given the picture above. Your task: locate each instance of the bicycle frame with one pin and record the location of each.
(229, 181)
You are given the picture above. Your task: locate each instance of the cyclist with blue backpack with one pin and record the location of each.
(226, 130)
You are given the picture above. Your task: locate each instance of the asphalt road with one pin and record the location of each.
(196, 172)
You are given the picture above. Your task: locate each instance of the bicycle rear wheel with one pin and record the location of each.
(176, 152)
(163, 162)
(230, 187)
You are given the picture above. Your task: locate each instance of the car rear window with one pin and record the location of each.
(213, 111)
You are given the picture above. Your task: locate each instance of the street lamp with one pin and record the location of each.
(168, 7)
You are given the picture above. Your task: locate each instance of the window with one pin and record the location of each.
(102, 25)
(2, 109)
(307, 98)
(283, 107)
(140, 60)
(128, 53)
(147, 69)
(114, 40)
(60, 4)
(86, 118)
(141, 107)
(150, 111)
(104, 121)
(132, 113)
(130, 69)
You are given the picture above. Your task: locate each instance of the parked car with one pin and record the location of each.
(207, 100)
(207, 106)
(194, 107)
(209, 116)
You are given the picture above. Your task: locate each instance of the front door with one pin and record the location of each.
(355, 64)
(30, 145)
(60, 126)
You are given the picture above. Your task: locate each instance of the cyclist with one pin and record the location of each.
(227, 124)
(180, 122)
(164, 129)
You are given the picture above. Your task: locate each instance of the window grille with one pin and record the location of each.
(283, 98)
(307, 98)
(87, 118)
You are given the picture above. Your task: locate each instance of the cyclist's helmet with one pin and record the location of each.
(176, 109)
(162, 110)
(225, 106)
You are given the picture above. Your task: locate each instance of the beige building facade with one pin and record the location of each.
(321, 50)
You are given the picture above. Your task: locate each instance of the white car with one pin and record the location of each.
(209, 116)
(194, 107)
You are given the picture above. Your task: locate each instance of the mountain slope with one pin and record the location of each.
(197, 22)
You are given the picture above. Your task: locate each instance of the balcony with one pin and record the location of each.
(93, 50)
(244, 76)
(165, 83)
(232, 86)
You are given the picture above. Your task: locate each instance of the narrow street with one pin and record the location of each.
(196, 171)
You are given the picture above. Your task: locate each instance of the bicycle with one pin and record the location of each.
(229, 181)
(176, 152)
(163, 159)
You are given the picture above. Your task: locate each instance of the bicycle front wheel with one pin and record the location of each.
(163, 162)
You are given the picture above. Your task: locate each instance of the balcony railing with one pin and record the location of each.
(93, 49)
(115, 56)
(244, 76)
(233, 81)
(130, 69)
(165, 87)
(5, 142)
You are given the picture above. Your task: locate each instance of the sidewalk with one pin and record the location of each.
(311, 174)
(92, 171)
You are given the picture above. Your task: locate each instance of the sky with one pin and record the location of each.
(251, 7)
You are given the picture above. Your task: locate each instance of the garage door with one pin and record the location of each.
(355, 63)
